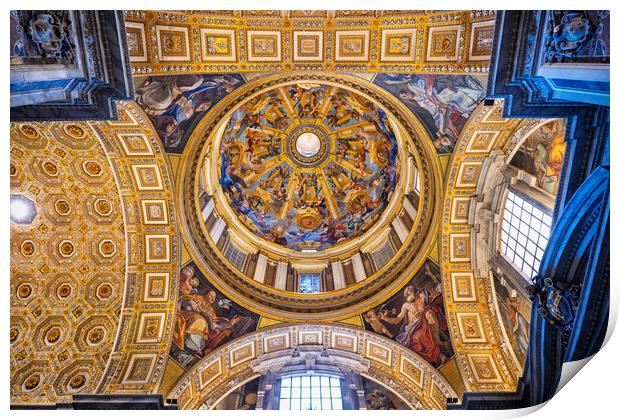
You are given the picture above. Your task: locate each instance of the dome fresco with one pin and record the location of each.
(308, 166)
(296, 177)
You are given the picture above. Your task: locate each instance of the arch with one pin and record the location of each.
(482, 352)
(145, 180)
(382, 360)
(124, 182)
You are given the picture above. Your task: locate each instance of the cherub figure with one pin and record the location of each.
(188, 282)
(375, 322)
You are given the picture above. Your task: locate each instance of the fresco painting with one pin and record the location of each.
(513, 308)
(441, 102)
(242, 398)
(175, 104)
(323, 204)
(415, 317)
(542, 155)
(380, 398)
(205, 318)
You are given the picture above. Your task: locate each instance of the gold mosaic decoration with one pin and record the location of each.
(335, 40)
(390, 364)
(483, 353)
(67, 265)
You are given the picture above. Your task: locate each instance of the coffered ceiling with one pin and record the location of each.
(354, 41)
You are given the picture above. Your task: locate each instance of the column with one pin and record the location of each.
(217, 229)
(400, 229)
(261, 267)
(339, 282)
(208, 209)
(280, 282)
(409, 208)
(358, 267)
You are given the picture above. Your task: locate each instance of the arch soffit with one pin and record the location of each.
(145, 181)
(389, 364)
(483, 354)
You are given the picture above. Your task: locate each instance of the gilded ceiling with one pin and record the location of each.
(67, 261)
(308, 166)
(163, 42)
(118, 267)
(94, 258)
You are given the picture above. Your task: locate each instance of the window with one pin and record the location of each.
(236, 257)
(525, 233)
(383, 255)
(310, 392)
(309, 283)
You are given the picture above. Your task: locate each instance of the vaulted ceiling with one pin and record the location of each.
(221, 183)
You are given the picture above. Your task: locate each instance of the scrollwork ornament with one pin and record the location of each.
(566, 33)
(557, 302)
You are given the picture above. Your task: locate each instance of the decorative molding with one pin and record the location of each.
(144, 335)
(421, 385)
(482, 352)
(376, 41)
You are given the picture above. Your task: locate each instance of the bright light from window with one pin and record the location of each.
(525, 233)
(310, 392)
(309, 283)
(22, 209)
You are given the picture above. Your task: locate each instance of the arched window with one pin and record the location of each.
(310, 391)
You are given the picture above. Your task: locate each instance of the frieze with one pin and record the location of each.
(409, 57)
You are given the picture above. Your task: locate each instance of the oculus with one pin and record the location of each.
(308, 144)
(22, 210)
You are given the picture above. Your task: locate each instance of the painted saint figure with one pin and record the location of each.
(203, 320)
(422, 321)
(442, 102)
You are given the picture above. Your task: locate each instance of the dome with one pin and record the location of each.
(308, 166)
(309, 196)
